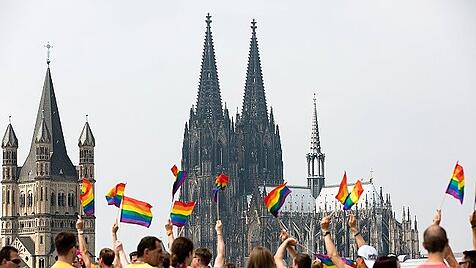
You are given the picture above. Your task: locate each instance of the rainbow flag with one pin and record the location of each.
(180, 212)
(354, 196)
(221, 182)
(275, 199)
(456, 185)
(343, 191)
(325, 260)
(136, 212)
(87, 197)
(115, 194)
(180, 177)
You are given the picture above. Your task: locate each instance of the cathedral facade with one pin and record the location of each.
(247, 147)
(41, 198)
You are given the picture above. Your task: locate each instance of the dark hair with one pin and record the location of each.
(166, 261)
(64, 241)
(434, 239)
(229, 265)
(303, 260)
(147, 242)
(5, 253)
(180, 250)
(107, 255)
(386, 262)
(260, 257)
(470, 256)
(204, 254)
(132, 254)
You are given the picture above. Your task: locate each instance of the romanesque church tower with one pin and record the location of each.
(41, 198)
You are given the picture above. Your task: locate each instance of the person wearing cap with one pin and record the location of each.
(436, 243)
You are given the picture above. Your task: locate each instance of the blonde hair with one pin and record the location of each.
(260, 257)
(316, 264)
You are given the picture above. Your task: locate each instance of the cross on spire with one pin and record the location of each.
(48, 46)
(253, 25)
(208, 21)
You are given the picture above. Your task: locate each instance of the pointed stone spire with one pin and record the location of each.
(48, 119)
(209, 105)
(43, 135)
(10, 139)
(254, 101)
(87, 137)
(315, 141)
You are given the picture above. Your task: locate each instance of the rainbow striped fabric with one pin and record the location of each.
(180, 212)
(87, 197)
(343, 191)
(136, 212)
(275, 199)
(180, 177)
(115, 194)
(327, 262)
(354, 196)
(221, 182)
(456, 185)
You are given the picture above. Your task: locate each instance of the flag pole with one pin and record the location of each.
(120, 205)
(81, 201)
(218, 205)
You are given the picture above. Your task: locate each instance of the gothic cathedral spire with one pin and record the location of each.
(315, 158)
(209, 106)
(254, 101)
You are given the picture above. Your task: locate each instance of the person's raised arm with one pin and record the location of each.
(291, 249)
(472, 221)
(330, 247)
(448, 254)
(359, 239)
(83, 248)
(169, 231)
(279, 256)
(220, 259)
(121, 255)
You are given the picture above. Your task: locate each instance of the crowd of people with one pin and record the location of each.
(72, 251)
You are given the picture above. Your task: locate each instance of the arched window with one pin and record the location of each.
(8, 196)
(41, 193)
(52, 199)
(30, 199)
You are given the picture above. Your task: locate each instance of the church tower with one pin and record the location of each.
(206, 149)
(315, 158)
(41, 198)
(258, 141)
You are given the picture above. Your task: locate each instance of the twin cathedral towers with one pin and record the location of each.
(41, 198)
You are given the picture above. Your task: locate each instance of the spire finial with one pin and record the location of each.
(208, 21)
(371, 174)
(10, 119)
(48, 47)
(86, 118)
(253, 26)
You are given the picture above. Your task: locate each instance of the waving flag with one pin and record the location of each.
(456, 185)
(343, 191)
(221, 182)
(275, 199)
(180, 212)
(354, 196)
(180, 177)
(87, 197)
(115, 194)
(136, 212)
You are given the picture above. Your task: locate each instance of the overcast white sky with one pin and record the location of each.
(395, 82)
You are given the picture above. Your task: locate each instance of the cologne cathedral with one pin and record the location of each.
(41, 198)
(247, 147)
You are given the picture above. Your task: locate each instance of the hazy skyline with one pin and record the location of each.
(395, 84)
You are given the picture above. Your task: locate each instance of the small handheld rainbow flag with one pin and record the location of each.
(275, 199)
(354, 196)
(115, 194)
(180, 212)
(87, 197)
(221, 182)
(343, 191)
(136, 212)
(456, 185)
(327, 262)
(180, 177)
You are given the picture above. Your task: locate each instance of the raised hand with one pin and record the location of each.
(80, 223)
(283, 235)
(169, 228)
(437, 217)
(325, 222)
(219, 227)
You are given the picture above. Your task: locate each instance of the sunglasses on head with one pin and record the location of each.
(16, 261)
